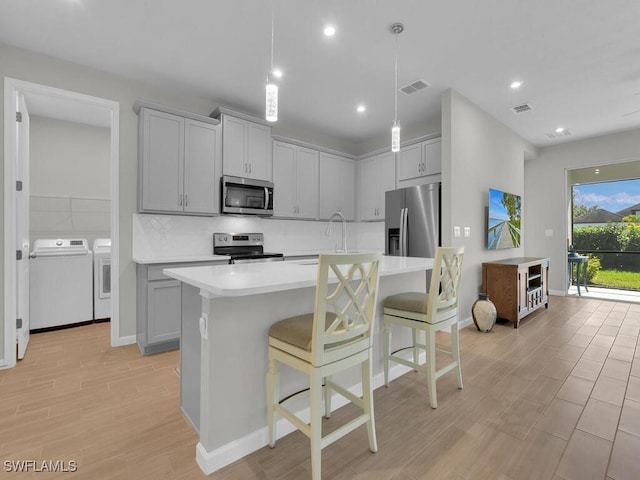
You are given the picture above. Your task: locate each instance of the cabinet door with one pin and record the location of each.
(234, 147)
(410, 162)
(161, 176)
(431, 156)
(163, 310)
(337, 182)
(387, 177)
(307, 183)
(368, 194)
(259, 151)
(284, 179)
(200, 179)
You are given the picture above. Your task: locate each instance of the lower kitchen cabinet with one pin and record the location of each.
(159, 307)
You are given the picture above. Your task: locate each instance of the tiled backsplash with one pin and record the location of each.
(176, 235)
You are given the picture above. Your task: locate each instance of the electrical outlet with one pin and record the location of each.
(467, 232)
(456, 231)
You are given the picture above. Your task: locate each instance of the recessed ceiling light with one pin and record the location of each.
(361, 109)
(277, 73)
(560, 129)
(329, 30)
(516, 84)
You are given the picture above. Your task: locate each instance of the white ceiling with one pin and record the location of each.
(579, 59)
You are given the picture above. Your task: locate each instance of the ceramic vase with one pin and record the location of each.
(484, 313)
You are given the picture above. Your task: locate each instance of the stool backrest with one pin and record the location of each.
(445, 283)
(345, 311)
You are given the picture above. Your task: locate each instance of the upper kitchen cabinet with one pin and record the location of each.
(377, 176)
(337, 186)
(295, 178)
(246, 146)
(419, 160)
(179, 166)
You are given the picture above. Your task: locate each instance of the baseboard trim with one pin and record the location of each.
(121, 341)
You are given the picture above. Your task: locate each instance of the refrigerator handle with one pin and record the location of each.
(401, 242)
(406, 235)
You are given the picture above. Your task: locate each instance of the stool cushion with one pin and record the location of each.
(297, 330)
(408, 301)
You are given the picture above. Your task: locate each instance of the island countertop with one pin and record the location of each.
(258, 278)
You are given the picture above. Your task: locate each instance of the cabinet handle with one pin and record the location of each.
(180, 200)
(249, 168)
(186, 200)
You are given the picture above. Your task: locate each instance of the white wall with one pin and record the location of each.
(69, 180)
(546, 181)
(478, 152)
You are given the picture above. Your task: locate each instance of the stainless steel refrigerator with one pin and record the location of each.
(412, 221)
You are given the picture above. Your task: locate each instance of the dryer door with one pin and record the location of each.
(104, 279)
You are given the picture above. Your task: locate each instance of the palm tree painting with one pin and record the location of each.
(505, 216)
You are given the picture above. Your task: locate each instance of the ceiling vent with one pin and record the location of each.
(566, 132)
(414, 87)
(518, 109)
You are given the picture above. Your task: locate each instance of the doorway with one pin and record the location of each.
(67, 106)
(604, 225)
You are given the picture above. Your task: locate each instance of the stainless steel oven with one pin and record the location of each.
(243, 248)
(246, 196)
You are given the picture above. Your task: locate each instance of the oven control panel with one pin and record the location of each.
(237, 239)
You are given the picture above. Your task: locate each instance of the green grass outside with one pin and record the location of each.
(617, 279)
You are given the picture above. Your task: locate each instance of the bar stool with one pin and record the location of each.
(428, 313)
(581, 262)
(337, 336)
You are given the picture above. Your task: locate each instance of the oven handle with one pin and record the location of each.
(266, 198)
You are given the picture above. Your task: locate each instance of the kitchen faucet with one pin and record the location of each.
(344, 229)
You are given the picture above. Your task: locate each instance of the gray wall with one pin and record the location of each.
(70, 180)
(478, 152)
(548, 199)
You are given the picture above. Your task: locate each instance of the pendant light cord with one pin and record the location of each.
(395, 114)
(272, 36)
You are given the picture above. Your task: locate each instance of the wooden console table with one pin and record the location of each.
(517, 286)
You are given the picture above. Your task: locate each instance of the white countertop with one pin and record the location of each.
(180, 259)
(257, 278)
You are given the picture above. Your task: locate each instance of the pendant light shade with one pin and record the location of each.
(271, 89)
(395, 137)
(396, 29)
(271, 103)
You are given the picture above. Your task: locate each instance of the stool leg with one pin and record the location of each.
(455, 350)
(316, 425)
(578, 278)
(367, 399)
(584, 275)
(431, 366)
(386, 340)
(327, 397)
(273, 393)
(416, 353)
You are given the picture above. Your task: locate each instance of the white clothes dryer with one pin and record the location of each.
(60, 281)
(102, 278)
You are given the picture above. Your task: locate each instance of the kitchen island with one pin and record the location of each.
(226, 314)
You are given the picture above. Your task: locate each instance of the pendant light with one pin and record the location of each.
(396, 29)
(271, 90)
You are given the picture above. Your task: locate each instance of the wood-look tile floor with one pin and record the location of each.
(558, 398)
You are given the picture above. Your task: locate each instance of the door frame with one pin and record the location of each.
(11, 88)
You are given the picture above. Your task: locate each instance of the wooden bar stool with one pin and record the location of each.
(337, 336)
(428, 313)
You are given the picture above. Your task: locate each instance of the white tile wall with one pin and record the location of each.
(176, 235)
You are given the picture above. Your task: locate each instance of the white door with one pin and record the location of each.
(22, 227)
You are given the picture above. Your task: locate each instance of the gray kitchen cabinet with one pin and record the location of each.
(377, 175)
(178, 164)
(159, 307)
(419, 160)
(246, 148)
(295, 176)
(337, 186)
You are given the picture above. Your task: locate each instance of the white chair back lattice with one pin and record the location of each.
(445, 282)
(345, 311)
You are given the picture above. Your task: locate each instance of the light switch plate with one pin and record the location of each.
(456, 231)
(467, 231)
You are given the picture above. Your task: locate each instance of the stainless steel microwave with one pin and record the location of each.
(246, 196)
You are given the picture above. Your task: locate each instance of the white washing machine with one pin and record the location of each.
(60, 283)
(102, 278)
